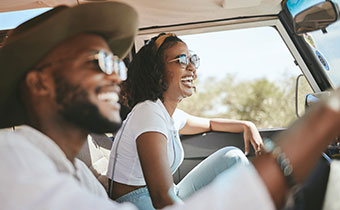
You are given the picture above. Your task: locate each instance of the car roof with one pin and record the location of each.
(154, 13)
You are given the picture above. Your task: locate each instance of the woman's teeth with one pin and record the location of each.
(187, 81)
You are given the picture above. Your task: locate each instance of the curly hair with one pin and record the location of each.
(146, 74)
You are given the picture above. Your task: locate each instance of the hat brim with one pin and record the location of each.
(30, 42)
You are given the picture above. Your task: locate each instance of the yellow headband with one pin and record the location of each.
(159, 41)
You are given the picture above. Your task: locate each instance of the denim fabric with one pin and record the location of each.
(197, 178)
(208, 169)
(140, 198)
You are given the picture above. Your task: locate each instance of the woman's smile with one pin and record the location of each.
(188, 81)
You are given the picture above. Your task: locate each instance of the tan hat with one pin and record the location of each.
(27, 44)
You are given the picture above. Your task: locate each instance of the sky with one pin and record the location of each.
(246, 53)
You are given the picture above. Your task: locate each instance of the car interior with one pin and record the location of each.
(206, 16)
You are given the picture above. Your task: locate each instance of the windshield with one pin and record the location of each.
(326, 51)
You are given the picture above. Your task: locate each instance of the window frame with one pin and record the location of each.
(232, 24)
(316, 73)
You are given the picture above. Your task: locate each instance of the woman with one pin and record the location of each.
(147, 148)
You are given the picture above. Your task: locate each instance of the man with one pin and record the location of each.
(59, 80)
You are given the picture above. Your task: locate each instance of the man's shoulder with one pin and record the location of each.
(17, 149)
(14, 138)
(11, 137)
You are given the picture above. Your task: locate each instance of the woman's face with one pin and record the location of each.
(178, 76)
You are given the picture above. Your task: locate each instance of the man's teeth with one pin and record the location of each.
(110, 97)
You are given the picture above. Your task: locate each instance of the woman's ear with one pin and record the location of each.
(37, 82)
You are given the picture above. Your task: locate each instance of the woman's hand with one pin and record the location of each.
(252, 135)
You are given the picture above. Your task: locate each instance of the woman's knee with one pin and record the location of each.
(233, 155)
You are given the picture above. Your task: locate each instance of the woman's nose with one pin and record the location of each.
(190, 67)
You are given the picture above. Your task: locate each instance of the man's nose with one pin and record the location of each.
(114, 78)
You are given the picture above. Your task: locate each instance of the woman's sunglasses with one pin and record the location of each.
(184, 60)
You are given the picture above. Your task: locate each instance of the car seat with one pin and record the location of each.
(95, 154)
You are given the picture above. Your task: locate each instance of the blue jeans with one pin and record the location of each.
(197, 178)
(140, 198)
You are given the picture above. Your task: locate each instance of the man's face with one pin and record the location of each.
(84, 95)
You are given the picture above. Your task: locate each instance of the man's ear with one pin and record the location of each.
(37, 82)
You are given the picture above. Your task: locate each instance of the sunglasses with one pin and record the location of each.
(184, 60)
(109, 63)
(106, 62)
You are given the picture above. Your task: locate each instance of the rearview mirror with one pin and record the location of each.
(312, 15)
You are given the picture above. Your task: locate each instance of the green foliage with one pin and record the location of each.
(266, 103)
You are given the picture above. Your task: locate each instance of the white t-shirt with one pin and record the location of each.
(26, 139)
(332, 195)
(145, 117)
(35, 176)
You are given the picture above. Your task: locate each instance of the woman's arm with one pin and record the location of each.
(152, 152)
(251, 135)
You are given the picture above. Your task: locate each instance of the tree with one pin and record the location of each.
(266, 103)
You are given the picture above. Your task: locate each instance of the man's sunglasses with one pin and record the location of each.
(106, 62)
(184, 60)
(109, 64)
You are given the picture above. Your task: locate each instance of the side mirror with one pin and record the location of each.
(313, 98)
(312, 15)
(302, 88)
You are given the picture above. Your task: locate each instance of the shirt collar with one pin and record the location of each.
(160, 103)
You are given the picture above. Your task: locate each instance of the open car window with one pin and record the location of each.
(246, 74)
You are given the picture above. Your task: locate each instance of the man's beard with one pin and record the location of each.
(79, 110)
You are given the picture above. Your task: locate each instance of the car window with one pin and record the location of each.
(13, 19)
(246, 74)
(325, 47)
